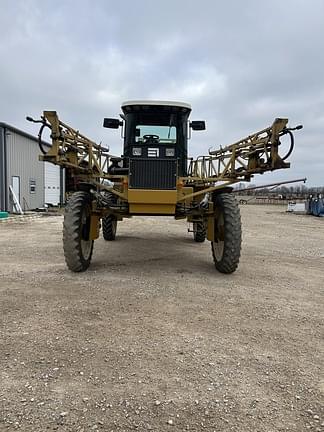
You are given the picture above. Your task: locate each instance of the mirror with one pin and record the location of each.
(198, 125)
(112, 123)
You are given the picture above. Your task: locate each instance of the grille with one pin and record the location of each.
(153, 174)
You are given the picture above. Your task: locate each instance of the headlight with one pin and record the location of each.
(169, 152)
(137, 151)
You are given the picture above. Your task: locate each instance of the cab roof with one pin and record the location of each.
(156, 103)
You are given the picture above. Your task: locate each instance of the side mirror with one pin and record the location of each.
(112, 123)
(198, 125)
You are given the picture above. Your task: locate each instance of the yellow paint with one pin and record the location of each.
(94, 226)
(210, 228)
(143, 201)
(148, 209)
(144, 196)
(182, 192)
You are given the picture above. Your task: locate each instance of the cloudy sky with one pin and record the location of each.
(240, 65)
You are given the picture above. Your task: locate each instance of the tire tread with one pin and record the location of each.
(199, 232)
(108, 231)
(232, 235)
(71, 232)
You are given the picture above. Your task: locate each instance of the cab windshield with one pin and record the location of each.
(163, 134)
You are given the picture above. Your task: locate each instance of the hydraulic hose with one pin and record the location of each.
(40, 133)
(292, 144)
(40, 142)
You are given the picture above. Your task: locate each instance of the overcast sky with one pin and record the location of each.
(239, 64)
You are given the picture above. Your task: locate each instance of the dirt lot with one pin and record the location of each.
(151, 337)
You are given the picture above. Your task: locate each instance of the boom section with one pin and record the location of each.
(255, 154)
(73, 150)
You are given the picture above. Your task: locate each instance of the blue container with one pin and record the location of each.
(321, 207)
(3, 215)
(315, 209)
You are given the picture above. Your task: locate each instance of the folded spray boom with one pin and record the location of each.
(255, 154)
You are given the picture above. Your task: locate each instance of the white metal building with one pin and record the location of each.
(23, 177)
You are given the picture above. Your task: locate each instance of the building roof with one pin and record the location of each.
(23, 133)
(157, 103)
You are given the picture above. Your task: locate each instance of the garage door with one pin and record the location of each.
(52, 184)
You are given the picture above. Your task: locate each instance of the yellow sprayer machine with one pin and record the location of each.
(155, 177)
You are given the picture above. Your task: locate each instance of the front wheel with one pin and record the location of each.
(226, 247)
(76, 232)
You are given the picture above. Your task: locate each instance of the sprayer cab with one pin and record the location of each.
(156, 130)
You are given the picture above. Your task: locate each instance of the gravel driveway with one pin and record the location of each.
(151, 337)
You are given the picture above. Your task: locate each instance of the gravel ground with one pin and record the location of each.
(151, 337)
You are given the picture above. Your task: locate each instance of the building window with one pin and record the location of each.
(32, 186)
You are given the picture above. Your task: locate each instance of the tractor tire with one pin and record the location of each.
(109, 222)
(109, 227)
(76, 228)
(226, 248)
(199, 232)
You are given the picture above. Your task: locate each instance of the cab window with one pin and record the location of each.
(165, 134)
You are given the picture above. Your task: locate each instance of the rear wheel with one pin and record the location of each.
(199, 232)
(109, 227)
(226, 247)
(109, 222)
(76, 231)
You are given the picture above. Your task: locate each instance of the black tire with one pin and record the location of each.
(226, 248)
(109, 222)
(76, 228)
(199, 232)
(109, 227)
